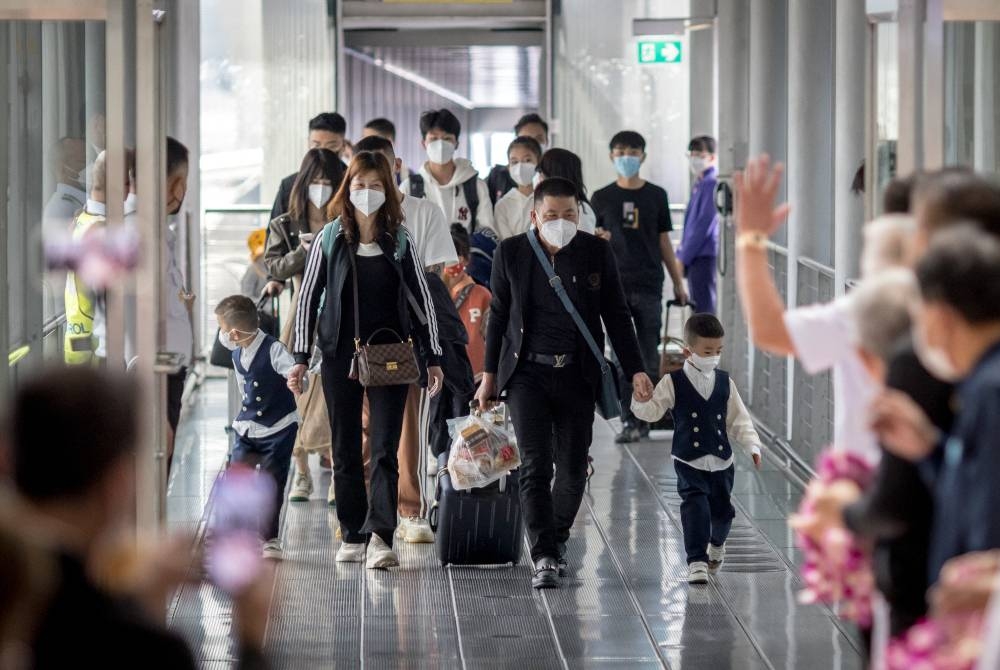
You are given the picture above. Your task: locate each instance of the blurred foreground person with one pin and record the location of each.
(83, 420)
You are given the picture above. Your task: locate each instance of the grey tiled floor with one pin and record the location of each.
(624, 603)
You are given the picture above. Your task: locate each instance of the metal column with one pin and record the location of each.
(910, 153)
(115, 147)
(849, 137)
(768, 106)
(701, 97)
(733, 49)
(150, 458)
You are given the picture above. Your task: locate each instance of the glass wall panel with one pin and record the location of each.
(54, 104)
(886, 107)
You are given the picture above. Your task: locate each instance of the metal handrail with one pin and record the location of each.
(53, 324)
(816, 265)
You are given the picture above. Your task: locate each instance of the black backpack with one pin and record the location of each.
(417, 189)
(471, 191)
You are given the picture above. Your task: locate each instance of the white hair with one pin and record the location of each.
(881, 307)
(885, 242)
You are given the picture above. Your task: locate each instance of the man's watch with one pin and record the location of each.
(752, 240)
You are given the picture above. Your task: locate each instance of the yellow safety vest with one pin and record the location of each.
(79, 344)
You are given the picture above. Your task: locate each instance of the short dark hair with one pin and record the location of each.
(703, 325)
(383, 127)
(440, 119)
(528, 119)
(239, 312)
(897, 195)
(628, 139)
(566, 164)
(556, 187)
(962, 269)
(375, 144)
(331, 122)
(81, 419)
(460, 236)
(529, 143)
(702, 143)
(957, 194)
(177, 155)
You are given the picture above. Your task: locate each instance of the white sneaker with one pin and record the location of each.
(698, 573)
(716, 556)
(331, 500)
(415, 530)
(302, 488)
(432, 466)
(272, 549)
(380, 555)
(351, 552)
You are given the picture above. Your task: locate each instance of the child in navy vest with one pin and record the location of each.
(268, 421)
(707, 412)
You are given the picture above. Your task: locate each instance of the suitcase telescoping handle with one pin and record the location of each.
(666, 317)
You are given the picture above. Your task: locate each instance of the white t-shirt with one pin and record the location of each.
(512, 214)
(430, 231)
(824, 337)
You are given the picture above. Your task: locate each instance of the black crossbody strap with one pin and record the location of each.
(463, 295)
(556, 283)
(412, 299)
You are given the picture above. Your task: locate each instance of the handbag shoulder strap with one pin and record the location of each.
(463, 295)
(556, 283)
(414, 304)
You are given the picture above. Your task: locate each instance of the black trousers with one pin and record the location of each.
(273, 454)
(444, 406)
(361, 513)
(707, 510)
(647, 315)
(544, 401)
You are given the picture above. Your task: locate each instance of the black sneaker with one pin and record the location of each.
(628, 436)
(546, 573)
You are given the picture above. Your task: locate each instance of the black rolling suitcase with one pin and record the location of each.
(477, 527)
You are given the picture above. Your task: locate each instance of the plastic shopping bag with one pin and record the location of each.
(482, 452)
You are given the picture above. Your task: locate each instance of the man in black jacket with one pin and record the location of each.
(538, 359)
(326, 131)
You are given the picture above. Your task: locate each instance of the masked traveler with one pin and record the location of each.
(500, 181)
(367, 266)
(543, 364)
(288, 241)
(567, 165)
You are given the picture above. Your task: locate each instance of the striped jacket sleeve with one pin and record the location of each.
(414, 276)
(307, 307)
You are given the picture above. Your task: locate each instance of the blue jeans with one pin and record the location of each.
(647, 315)
(701, 283)
(707, 512)
(273, 454)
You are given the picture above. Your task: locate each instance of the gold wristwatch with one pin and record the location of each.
(752, 240)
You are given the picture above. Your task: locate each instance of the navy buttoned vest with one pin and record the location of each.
(700, 424)
(266, 398)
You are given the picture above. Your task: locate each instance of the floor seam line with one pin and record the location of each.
(548, 611)
(666, 509)
(458, 625)
(628, 588)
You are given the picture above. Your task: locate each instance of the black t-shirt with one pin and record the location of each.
(635, 219)
(549, 329)
(378, 289)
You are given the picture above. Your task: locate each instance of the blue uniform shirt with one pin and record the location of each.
(701, 221)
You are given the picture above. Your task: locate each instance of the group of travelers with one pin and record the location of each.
(436, 258)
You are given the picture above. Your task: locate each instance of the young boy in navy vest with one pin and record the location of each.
(708, 413)
(268, 421)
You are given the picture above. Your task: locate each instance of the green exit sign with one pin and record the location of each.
(660, 51)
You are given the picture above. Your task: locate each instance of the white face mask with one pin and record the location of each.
(935, 360)
(705, 364)
(228, 342)
(440, 151)
(367, 200)
(523, 174)
(559, 232)
(320, 194)
(698, 164)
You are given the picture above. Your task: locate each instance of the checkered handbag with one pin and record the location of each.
(386, 364)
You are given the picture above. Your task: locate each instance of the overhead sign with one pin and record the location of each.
(659, 51)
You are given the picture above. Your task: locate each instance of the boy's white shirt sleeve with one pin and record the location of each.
(739, 423)
(437, 247)
(823, 334)
(484, 214)
(663, 400)
(283, 362)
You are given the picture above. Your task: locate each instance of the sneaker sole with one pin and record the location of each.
(272, 555)
(350, 559)
(383, 563)
(698, 580)
(298, 498)
(547, 583)
(419, 538)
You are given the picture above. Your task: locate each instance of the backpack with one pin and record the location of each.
(471, 191)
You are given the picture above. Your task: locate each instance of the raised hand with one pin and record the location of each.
(756, 188)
